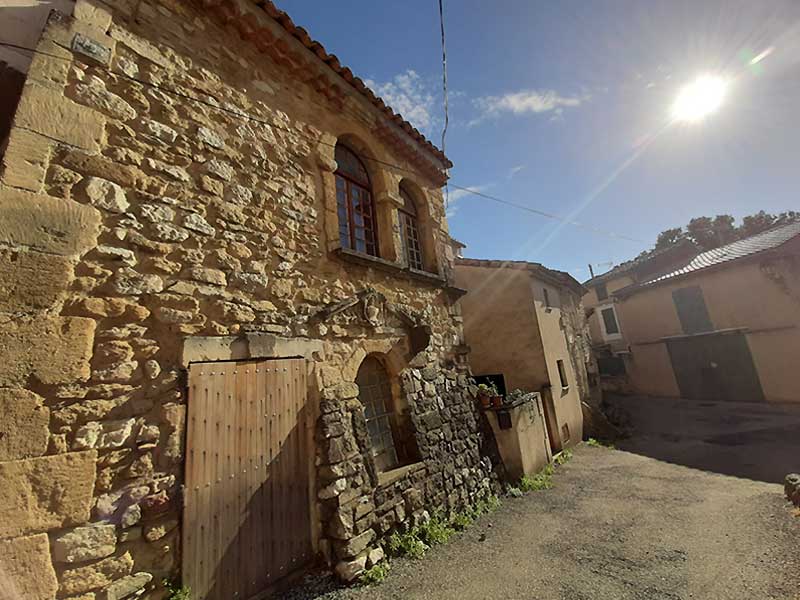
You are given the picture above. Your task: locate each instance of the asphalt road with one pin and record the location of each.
(754, 440)
(616, 526)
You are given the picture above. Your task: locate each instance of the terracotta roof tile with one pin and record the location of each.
(560, 276)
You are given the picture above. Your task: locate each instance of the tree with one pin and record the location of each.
(669, 237)
(708, 233)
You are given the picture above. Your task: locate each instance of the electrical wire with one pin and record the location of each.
(245, 116)
(444, 93)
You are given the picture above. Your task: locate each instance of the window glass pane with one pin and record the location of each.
(349, 165)
(610, 320)
(375, 390)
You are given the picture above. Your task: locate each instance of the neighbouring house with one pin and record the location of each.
(525, 328)
(230, 341)
(609, 341)
(723, 326)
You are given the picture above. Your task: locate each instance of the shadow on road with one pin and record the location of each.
(757, 441)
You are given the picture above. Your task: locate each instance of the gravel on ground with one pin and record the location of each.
(616, 526)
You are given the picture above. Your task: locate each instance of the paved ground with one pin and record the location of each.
(754, 440)
(616, 526)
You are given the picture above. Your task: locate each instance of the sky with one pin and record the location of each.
(565, 107)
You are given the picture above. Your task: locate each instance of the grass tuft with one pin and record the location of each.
(543, 480)
(598, 444)
(177, 591)
(375, 574)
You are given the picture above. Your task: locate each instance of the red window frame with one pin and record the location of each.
(358, 228)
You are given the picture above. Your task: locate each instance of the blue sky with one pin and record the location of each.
(564, 107)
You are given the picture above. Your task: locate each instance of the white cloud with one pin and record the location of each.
(409, 95)
(525, 102)
(514, 170)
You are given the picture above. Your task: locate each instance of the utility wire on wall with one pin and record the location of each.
(246, 117)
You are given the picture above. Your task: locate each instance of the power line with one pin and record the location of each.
(444, 92)
(245, 116)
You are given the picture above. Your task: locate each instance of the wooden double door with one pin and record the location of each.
(247, 511)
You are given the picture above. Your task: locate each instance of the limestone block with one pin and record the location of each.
(162, 132)
(332, 490)
(375, 556)
(85, 543)
(105, 194)
(39, 494)
(26, 159)
(32, 280)
(25, 424)
(27, 570)
(132, 283)
(198, 224)
(210, 138)
(178, 173)
(206, 275)
(44, 223)
(54, 350)
(96, 575)
(49, 113)
(104, 434)
(93, 93)
(127, 586)
(157, 213)
(349, 570)
(219, 169)
(169, 233)
(93, 14)
(139, 45)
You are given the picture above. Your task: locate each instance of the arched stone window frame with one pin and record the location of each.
(385, 200)
(424, 223)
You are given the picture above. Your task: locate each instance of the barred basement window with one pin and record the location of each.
(409, 231)
(375, 393)
(355, 206)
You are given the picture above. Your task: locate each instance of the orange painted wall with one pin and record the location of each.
(741, 295)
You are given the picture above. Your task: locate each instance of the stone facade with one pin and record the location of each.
(167, 196)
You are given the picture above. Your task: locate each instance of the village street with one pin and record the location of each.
(620, 526)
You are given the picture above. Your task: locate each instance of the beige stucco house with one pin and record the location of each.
(724, 325)
(609, 339)
(229, 339)
(525, 328)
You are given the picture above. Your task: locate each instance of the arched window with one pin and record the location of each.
(409, 231)
(375, 393)
(355, 207)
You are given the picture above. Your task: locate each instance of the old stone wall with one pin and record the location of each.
(167, 186)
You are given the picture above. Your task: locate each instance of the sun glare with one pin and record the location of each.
(699, 99)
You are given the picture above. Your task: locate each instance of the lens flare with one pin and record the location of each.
(699, 98)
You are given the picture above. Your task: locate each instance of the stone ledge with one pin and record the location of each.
(27, 570)
(365, 260)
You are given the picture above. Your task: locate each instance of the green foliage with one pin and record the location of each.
(598, 444)
(488, 389)
(436, 531)
(515, 492)
(407, 543)
(462, 520)
(543, 480)
(375, 574)
(177, 591)
(563, 457)
(709, 233)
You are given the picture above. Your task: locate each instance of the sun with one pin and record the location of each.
(699, 98)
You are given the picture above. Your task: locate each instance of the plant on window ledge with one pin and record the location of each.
(489, 395)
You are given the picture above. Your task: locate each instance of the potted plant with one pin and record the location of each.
(489, 395)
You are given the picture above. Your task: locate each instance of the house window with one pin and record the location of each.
(610, 321)
(409, 231)
(601, 291)
(354, 202)
(692, 311)
(375, 393)
(562, 374)
(546, 298)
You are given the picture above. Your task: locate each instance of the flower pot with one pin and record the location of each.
(486, 401)
(497, 401)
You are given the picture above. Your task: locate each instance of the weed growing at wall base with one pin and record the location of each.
(598, 444)
(375, 574)
(177, 591)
